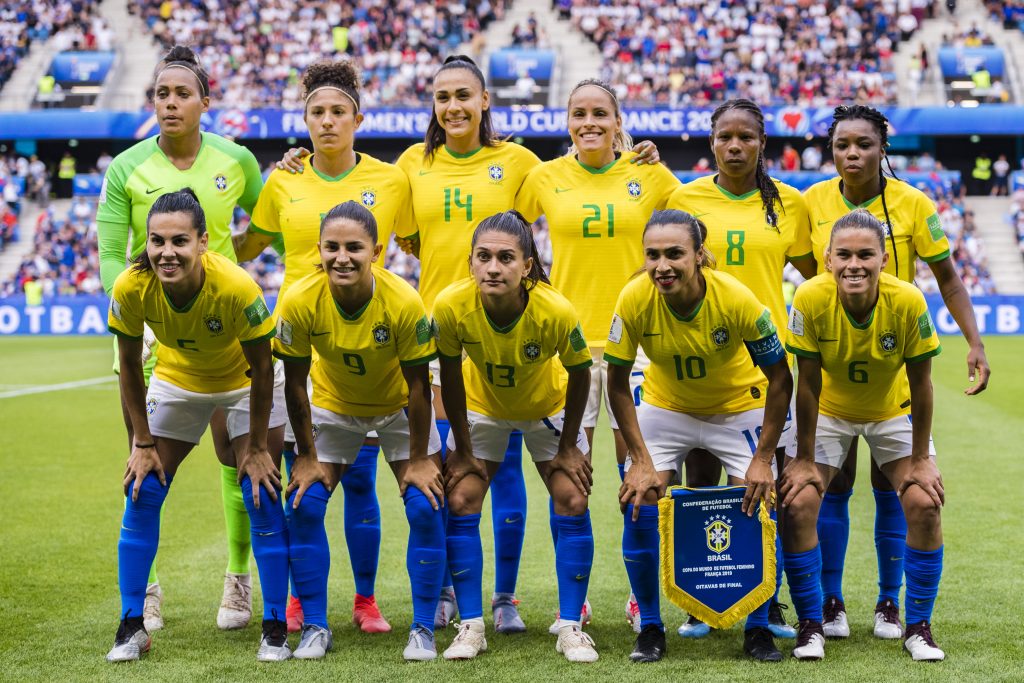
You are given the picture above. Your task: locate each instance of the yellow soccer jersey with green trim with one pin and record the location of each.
(915, 224)
(699, 363)
(293, 204)
(511, 373)
(451, 194)
(199, 344)
(862, 365)
(743, 243)
(596, 219)
(357, 368)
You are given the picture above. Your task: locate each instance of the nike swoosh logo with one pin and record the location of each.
(370, 520)
(821, 223)
(318, 334)
(429, 561)
(158, 322)
(579, 577)
(425, 172)
(560, 190)
(828, 340)
(513, 520)
(895, 559)
(652, 334)
(460, 573)
(919, 602)
(633, 561)
(292, 200)
(148, 191)
(786, 429)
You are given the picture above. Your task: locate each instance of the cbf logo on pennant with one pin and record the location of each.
(717, 532)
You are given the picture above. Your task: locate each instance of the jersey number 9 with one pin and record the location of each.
(354, 363)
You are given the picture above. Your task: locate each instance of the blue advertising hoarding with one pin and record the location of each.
(961, 62)
(87, 315)
(510, 64)
(81, 67)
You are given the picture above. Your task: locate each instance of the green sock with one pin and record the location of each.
(236, 519)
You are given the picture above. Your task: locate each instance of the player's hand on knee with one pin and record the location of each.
(923, 472)
(306, 471)
(760, 485)
(797, 475)
(259, 467)
(575, 465)
(458, 466)
(141, 462)
(425, 475)
(292, 160)
(639, 480)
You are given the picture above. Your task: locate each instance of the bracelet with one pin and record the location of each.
(145, 445)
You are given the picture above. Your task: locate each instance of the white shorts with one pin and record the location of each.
(489, 436)
(787, 439)
(599, 388)
(289, 434)
(670, 436)
(888, 440)
(278, 409)
(339, 437)
(176, 413)
(435, 372)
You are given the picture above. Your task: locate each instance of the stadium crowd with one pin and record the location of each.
(25, 21)
(691, 53)
(255, 50)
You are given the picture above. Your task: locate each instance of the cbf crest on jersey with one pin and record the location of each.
(635, 189)
(888, 341)
(496, 172)
(717, 531)
(720, 335)
(368, 197)
(381, 334)
(531, 350)
(220, 182)
(214, 324)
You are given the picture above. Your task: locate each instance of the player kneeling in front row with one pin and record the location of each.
(854, 330)
(215, 330)
(700, 329)
(511, 323)
(373, 343)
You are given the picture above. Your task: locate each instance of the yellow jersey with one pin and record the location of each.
(200, 343)
(357, 367)
(510, 373)
(741, 240)
(451, 194)
(700, 363)
(862, 376)
(916, 227)
(596, 219)
(293, 204)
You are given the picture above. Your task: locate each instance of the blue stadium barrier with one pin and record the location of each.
(87, 315)
(937, 182)
(87, 184)
(1016, 181)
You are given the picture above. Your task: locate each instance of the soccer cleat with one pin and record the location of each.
(469, 641)
(421, 646)
(236, 604)
(446, 608)
(585, 615)
(810, 641)
(130, 642)
(834, 623)
(152, 617)
(506, 614)
(293, 614)
(887, 620)
(777, 623)
(920, 644)
(693, 628)
(316, 642)
(758, 643)
(274, 644)
(576, 645)
(633, 615)
(649, 645)
(366, 615)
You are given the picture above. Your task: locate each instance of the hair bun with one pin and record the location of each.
(181, 53)
(190, 192)
(459, 58)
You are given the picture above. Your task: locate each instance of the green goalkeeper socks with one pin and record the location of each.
(236, 519)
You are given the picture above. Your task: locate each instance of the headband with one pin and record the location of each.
(176, 65)
(332, 87)
(615, 98)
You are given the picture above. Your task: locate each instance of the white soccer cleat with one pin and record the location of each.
(834, 623)
(316, 642)
(586, 614)
(421, 646)
(152, 616)
(887, 621)
(633, 613)
(130, 642)
(810, 642)
(236, 604)
(274, 644)
(576, 645)
(921, 645)
(469, 641)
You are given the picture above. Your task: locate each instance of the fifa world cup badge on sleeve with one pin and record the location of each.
(716, 563)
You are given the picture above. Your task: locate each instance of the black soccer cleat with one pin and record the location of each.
(649, 645)
(759, 644)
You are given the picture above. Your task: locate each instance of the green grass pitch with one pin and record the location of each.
(60, 505)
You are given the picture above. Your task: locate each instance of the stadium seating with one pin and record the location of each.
(24, 22)
(255, 50)
(692, 53)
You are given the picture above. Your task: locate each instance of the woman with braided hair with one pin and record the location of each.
(755, 225)
(858, 137)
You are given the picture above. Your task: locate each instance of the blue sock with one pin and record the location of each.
(443, 428)
(362, 519)
(269, 533)
(759, 617)
(833, 537)
(466, 562)
(640, 552)
(780, 565)
(890, 540)
(310, 553)
(924, 570)
(288, 456)
(574, 559)
(508, 516)
(425, 557)
(622, 471)
(803, 571)
(136, 548)
(552, 522)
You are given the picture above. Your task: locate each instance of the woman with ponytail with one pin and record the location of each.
(858, 138)
(512, 324)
